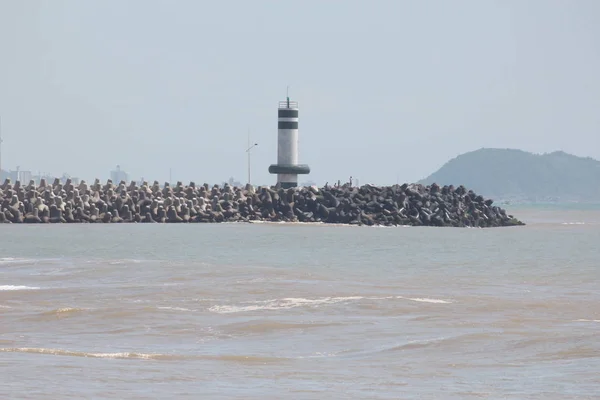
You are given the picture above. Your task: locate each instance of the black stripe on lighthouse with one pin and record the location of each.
(282, 113)
(287, 124)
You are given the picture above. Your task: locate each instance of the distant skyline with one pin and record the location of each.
(387, 90)
(238, 180)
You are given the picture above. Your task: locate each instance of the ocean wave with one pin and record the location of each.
(328, 224)
(352, 353)
(586, 320)
(20, 261)
(17, 287)
(452, 342)
(412, 344)
(294, 302)
(64, 311)
(123, 261)
(319, 354)
(114, 312)
(60, 352)
(265, 326)
(242, 359)
(416, 344)
(113, 262)
(279, 304)
(425, 300)
(573, 223)
(16, 261)
(52, 272)
(236, 358)
(575, 352)
(175, 308)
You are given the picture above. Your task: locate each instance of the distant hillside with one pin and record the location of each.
(506, 174)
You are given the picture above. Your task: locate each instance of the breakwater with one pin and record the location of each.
(407, 204)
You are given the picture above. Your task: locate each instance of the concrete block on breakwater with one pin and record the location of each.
(407, 204)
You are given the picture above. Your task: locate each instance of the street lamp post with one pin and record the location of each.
(248, 151)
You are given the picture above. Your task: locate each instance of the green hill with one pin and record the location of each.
(507, 174)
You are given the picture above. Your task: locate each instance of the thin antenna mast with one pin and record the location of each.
(248, 151)
(248, 156)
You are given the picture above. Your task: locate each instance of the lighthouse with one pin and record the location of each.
(287, 167)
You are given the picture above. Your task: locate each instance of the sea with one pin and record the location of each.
(294, 311)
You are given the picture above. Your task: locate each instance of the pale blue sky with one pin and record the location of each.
(387, 89)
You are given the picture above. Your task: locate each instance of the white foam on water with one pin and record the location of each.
(3, 306)
(587, 320)
(425, 300)
(174, 308)
(55, 271)
(13, 287)
(293, 302)
(13, 260)
(120, 261)
(318, 354)
(573, 223)
(378, 349)
(281, 304)
(66, 310)
(59, 352)
(324, 224)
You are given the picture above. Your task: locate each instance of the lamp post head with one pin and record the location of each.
(250, 148)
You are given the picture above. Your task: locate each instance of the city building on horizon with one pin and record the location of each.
(47, 177)
(119, 175)
(233, 183)
(25, 177)
(16, 175)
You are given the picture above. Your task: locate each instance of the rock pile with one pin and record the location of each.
(366, 205)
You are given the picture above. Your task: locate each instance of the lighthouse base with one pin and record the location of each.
(287, 181)
(287, 174)
(288, 185)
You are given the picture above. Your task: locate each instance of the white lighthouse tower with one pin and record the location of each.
(287, 167)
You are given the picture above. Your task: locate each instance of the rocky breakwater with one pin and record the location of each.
(415, 205)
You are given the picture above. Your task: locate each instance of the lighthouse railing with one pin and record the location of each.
(286, 104)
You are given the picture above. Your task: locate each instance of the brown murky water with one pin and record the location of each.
(302, 312)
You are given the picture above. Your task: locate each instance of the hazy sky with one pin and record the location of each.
(387, 89)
